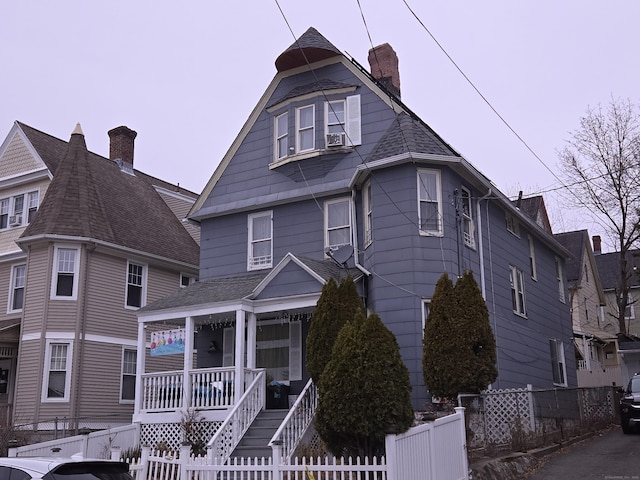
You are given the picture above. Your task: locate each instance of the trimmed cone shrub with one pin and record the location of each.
(366, 390)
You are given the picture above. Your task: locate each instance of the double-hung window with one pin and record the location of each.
(366, 205)
(516, 279)
(467, 219)
(128, 387)
(57, 371)
(14, 212)
(32, 206)
(305, 128)
(532, 258)
(186, 280)
(629, 311)
(64, 284)
(429, 202)
(512, 224)
(560, 276)
(558, 365)
(16, 295)
(337, 221)
(282, 136)
(136, 285)
(260, 241)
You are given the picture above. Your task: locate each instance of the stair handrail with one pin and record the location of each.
(295, 424)
(227, 437)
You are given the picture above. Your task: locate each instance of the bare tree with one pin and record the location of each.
(601, 166)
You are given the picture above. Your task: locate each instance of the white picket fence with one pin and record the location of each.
(432, 451)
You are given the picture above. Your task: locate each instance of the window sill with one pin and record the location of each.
(308, 154)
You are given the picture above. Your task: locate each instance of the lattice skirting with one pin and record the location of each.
(169, 436)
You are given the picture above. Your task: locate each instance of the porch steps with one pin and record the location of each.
(255, 442)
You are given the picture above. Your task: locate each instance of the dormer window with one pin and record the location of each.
(297, 134)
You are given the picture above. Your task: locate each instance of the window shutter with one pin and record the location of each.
(295, 351)
(228, 346)
(354, 133)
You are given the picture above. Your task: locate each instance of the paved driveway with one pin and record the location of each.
(608, 456)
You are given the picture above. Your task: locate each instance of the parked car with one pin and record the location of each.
(630, 405)
(62, 468)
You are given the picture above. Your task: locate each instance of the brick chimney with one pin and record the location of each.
(384, 67)
(121, 144)
(597, 245)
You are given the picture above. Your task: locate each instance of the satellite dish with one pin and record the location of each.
(341, 254)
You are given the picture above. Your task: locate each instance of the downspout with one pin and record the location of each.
(480, 250)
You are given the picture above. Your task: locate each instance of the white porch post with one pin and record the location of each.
(140, 366)
(188, 361)
(239, 360)
(251, 340)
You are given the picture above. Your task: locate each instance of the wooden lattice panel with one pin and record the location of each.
(171, 435)
(503, 409)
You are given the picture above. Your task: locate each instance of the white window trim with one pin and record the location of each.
(12, 287)
(532, 259)
(312, 128)
(143, 294)
(559, 361)
(11, 199)
(367, 209)
(327, 246)
(469, 238)
(76, 272)
(183, 275)
(512, 224)
(426, 304)
(560, 277)
(630, 304)
(47, 366)
(251, 265)
(516, 280)
(440, 230)
(122, 374)
(277, 137)
(328, 110)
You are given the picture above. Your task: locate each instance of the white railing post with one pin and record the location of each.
(276, 455)
(144, 461)
(185, 455)
(391, 452)
(115, 453)
(463, 440)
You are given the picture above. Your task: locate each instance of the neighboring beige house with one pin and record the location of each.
(595, 341)
(628, 344)
(85, 241)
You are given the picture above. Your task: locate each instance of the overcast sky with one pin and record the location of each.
(186, 75)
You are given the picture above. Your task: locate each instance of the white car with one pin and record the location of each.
(62, 468)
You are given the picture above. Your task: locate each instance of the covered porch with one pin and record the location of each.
(225, 332)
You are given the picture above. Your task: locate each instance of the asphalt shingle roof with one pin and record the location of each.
(408, 134)
(575, 243)
(91, 197)
(310, 47)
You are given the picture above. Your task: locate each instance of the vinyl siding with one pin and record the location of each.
(17, 159)
(181, 208)
(37, 290)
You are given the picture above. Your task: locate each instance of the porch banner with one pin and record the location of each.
(167, 342)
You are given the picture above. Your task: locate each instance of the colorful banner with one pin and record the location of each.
(167, 342)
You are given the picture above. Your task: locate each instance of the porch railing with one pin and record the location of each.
(238, 421)
(211, 388)
(297, 421)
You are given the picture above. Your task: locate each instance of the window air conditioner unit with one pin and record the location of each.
(15, 220)
(335, 139)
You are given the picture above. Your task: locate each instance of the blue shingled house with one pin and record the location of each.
(332, 174)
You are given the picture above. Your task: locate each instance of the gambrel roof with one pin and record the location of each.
(92, 198)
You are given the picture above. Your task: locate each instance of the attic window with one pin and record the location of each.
(124, 167)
